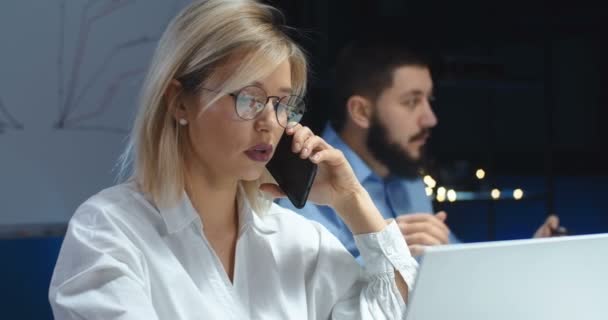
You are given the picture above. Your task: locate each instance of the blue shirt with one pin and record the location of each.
(392, 196)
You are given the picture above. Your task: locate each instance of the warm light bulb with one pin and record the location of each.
(451, 195)
(441, 197)
(480, 174)
(429, 181)
(495, 194)
(441, 191)
(518, 194)
(429, 191)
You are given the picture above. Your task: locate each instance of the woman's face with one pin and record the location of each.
(227, 147)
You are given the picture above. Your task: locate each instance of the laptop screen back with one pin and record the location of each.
(556, 278)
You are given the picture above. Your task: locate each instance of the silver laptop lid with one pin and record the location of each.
(553, 279)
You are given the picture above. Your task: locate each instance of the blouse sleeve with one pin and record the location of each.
(341, 289)
(99, 273)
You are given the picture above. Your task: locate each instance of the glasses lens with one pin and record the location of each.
(290, 111)
(249, 102)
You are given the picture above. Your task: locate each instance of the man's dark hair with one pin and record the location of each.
(365, 67)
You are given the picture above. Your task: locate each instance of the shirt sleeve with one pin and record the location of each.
(369, 293)
(453, 238)
(99, 274)
(326, 216)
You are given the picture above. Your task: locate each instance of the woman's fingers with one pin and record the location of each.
(330, 156)
(312, 145)
(300, 135)
(305, 142)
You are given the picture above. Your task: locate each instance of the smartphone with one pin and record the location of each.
(293, 174)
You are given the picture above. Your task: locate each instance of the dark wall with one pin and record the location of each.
(522, 91)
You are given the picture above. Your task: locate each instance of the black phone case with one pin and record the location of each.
(293, 174)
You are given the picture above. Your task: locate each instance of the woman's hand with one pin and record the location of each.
(335, 181)
(337, 186)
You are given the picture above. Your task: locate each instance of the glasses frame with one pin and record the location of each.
(275, 104)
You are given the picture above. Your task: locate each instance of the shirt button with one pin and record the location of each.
(389, 250)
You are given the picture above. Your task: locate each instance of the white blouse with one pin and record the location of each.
(124, 259)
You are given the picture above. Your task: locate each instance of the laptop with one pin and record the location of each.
(561, 278)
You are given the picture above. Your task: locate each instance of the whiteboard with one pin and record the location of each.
(70, 75)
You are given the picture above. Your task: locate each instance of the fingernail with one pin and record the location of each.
(296, 147)
(315, 157)
(305, 151)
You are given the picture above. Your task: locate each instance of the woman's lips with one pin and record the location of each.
(260, 152)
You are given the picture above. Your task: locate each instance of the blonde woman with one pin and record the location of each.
(191, 235)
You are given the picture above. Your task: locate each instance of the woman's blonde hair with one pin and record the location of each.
(200, 40)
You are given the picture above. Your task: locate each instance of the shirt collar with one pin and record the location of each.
(183, 214)
(398, 186)
(180, 215)
(249, 217)
(361, 169)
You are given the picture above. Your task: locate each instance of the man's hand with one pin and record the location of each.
(423, 229)
(550, 228)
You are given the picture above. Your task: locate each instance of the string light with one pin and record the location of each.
(429, 191)
(441, 197)
(452, 195)
(518, 194)
(429, 181)
(441, 191)
(495, 194)
(480, 174)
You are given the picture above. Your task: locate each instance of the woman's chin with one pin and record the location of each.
(252, 175)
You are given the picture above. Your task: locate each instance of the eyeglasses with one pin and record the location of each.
(250, 101)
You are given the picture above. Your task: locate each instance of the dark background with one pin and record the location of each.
(522, 90)
(521, 93)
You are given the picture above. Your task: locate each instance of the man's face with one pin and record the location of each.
(402, 121)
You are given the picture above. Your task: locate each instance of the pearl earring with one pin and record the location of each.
(183, 121)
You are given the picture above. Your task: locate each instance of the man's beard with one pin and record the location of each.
(397, 160)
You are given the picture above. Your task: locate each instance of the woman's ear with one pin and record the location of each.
(359, 111)
(175, 101)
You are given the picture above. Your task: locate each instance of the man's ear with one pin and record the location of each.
(175, 102)
(359, 110)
